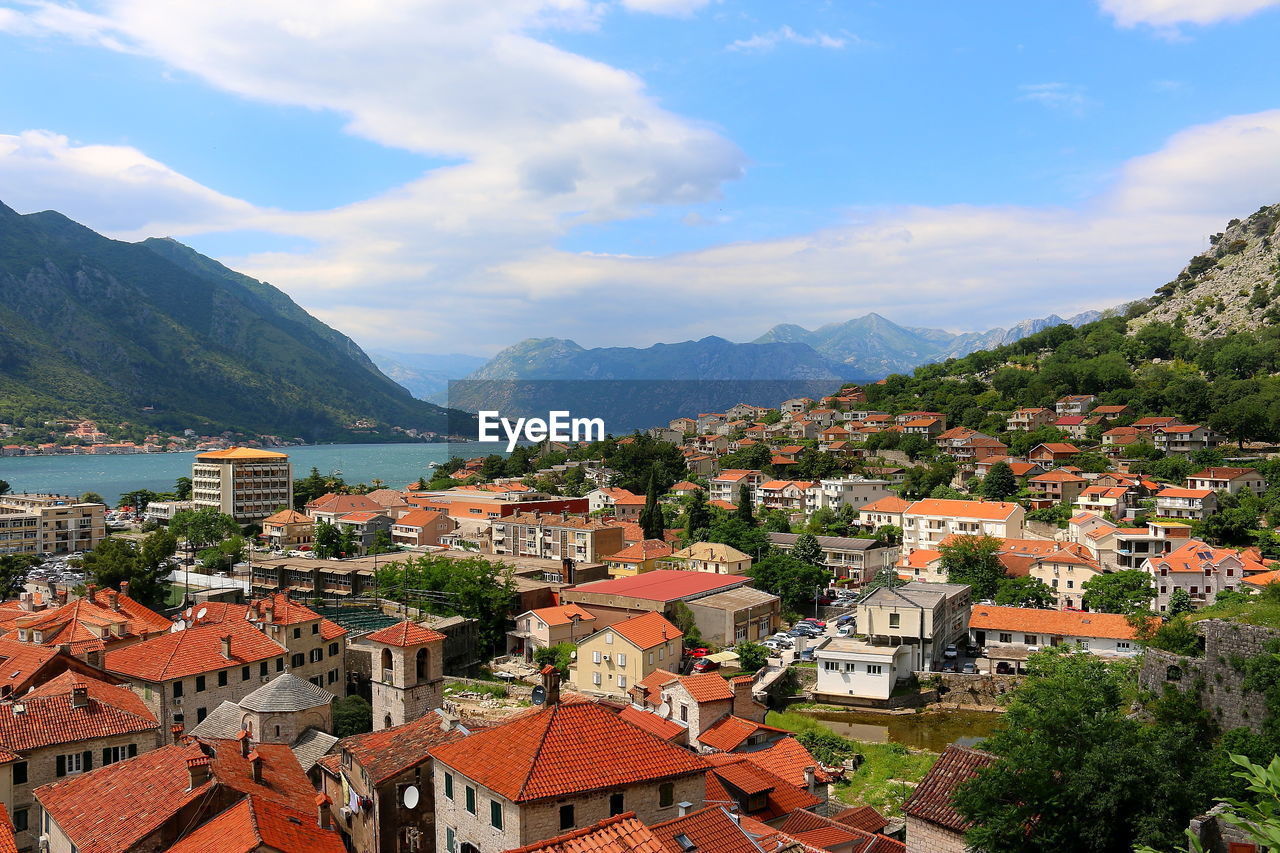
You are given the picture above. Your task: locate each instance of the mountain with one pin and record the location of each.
(158, 334)
(878, 346)
(1233, 286)
(425, 375)
(631, 387)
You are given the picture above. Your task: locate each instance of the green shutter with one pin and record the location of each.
(88, 760)
(61, 766)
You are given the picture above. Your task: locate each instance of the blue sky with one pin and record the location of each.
(453, 176)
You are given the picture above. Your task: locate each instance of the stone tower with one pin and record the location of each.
(408, 673)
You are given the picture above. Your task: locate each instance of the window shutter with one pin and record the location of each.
(88, 760)
(106, 757)
(133, 750)
(62, 766)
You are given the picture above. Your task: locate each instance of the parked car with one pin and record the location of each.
(973, 651)
(970, 668)
(1004, 668)
(705, 665)
(848, 617)
(949, 666)
(700, 652)
(951, 652)
(817, 622)
(844, 631)
(773, 645)
(808, 655)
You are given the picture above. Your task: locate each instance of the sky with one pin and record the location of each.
(441, 176)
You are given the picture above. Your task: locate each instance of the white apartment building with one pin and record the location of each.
(926, 523)
(245, 483)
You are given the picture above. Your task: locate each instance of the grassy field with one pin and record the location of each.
(888, 774)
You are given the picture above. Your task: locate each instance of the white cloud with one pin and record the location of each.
(465, 256)
(786, 35)
(1164, 14)
(674, 8)
(1056, 96)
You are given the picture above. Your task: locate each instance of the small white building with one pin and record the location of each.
(1027, 629)
(852, 671)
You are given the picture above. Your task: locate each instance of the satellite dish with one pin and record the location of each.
(202, 612)
(539, 695)
(177, 626)
(248, 615)
(411, 797)
(664, 710)
(188, 613)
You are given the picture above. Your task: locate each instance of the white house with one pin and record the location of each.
(852, 671)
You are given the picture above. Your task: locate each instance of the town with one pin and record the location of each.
(631, 641)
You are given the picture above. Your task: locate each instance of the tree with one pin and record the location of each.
(697, 517)
(145, 567)
(473, 587)
(999, 484)
(1072, 772)
(4, 487)
(794, 581)
(750, 540)
(743, 512)
(751, 656)
(973, 560)
(651, 521)
(347, 544)
(807, 549)
(1180, 602)
(1024, 591)
(382, 542)
(202, 527)
(139, 499)
(182, 489)
(92, 498)
(682, 617)
(1125, 591)
(13, 572)
(325, 540)
(352, 715)
(560, 656)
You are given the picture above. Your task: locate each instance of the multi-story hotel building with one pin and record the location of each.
(245, 483)
(63, 524)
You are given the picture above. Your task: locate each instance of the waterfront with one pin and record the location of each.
(931, 730)
(396, 465)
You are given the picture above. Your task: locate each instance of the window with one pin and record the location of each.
(112, 754)
(662, 652)
(622, 658)
(622, 681)
(222, 678)
(850, 667)
(262, 668)
(495, 814)
(1071, 584)
(177, 690)
(1123, 644)
(74, 762)
(20, 773)
(1029, 639)
(471, 799)
(200, 684)
(21, 820)
(830, 666)
(875, 669)
(1006, 638)
(651, 658)
(280, 664)
(315, 629)
(450, 840)
(297, 633)
(448, 783)
(1084, 645)
(608, 638)
(333, 676)
(615, 804)
(595, 657)
(317, 655)
(297, 660)
(895, 620)
(201, 713)
(595, 678)
(684, 713)
(244, 674)
(666, 794)
(566, 817)
(333, 649)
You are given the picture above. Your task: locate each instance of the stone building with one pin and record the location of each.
(284, 710)
(556, 769)
(408, 673)
(933, 824)
(379, 785)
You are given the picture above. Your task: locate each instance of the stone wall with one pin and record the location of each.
(964, 690)
(1217, 672)
(924, 837)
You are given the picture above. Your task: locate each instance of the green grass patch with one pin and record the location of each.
(497, 691)
(888, 774)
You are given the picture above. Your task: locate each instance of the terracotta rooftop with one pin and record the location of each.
(564, 749)
(622, 833)
(193, 651)
(8, 844)
(987, 510)
(287, 516)
(931, 801)
(1065, 623)
(662, 585)
(734, 777)
(406, 633)
(787, 758)
(241, 453)
(49, 716)
(668, 730)
(562, 614)
(729, 732)
(256, 824)
(647, 630)
(388, 752)
(711, 830)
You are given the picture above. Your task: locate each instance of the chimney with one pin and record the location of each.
(27, 602)
(198, 771)
(811, 778)
(551, 683)
(245, 744)
(124, 588)
(60, 596)
(226, 647)
(684, 807)
(255, 766)
(90, 591)
(79, 696)
(322, 810)
(175, 731)
(113, 600)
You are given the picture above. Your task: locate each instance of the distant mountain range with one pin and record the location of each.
(157, 334)
(426, 375)
(878, 347)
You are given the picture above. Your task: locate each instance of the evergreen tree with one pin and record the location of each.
(999, 484)
(651, 521)
(807, 549)
(744, 513)
(698, 516)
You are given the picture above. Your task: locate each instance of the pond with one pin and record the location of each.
(931, 730)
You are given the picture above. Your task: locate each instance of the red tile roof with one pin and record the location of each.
(419, 518)
(646, 549)
(734, 774)
(652, 684)
(988, 510)
(192, 651)
(91, 624)
(49, 717)
(711, 829)
(729, 732)
(562, 750)
(115, 807)
(622, 833)
(343, 504)
(254, 824)
(389, 752)
(1222, 473)
(862, 817)
(668, 730)
(562, 615)
(20, 663)
(707, 687)
(931, 801)
(406, 633)
(8, 844)
(662, 585)
(889, 504)
(647, 630)
(1065, 623)
(787, 758)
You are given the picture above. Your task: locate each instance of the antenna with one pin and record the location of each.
(411, 797)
